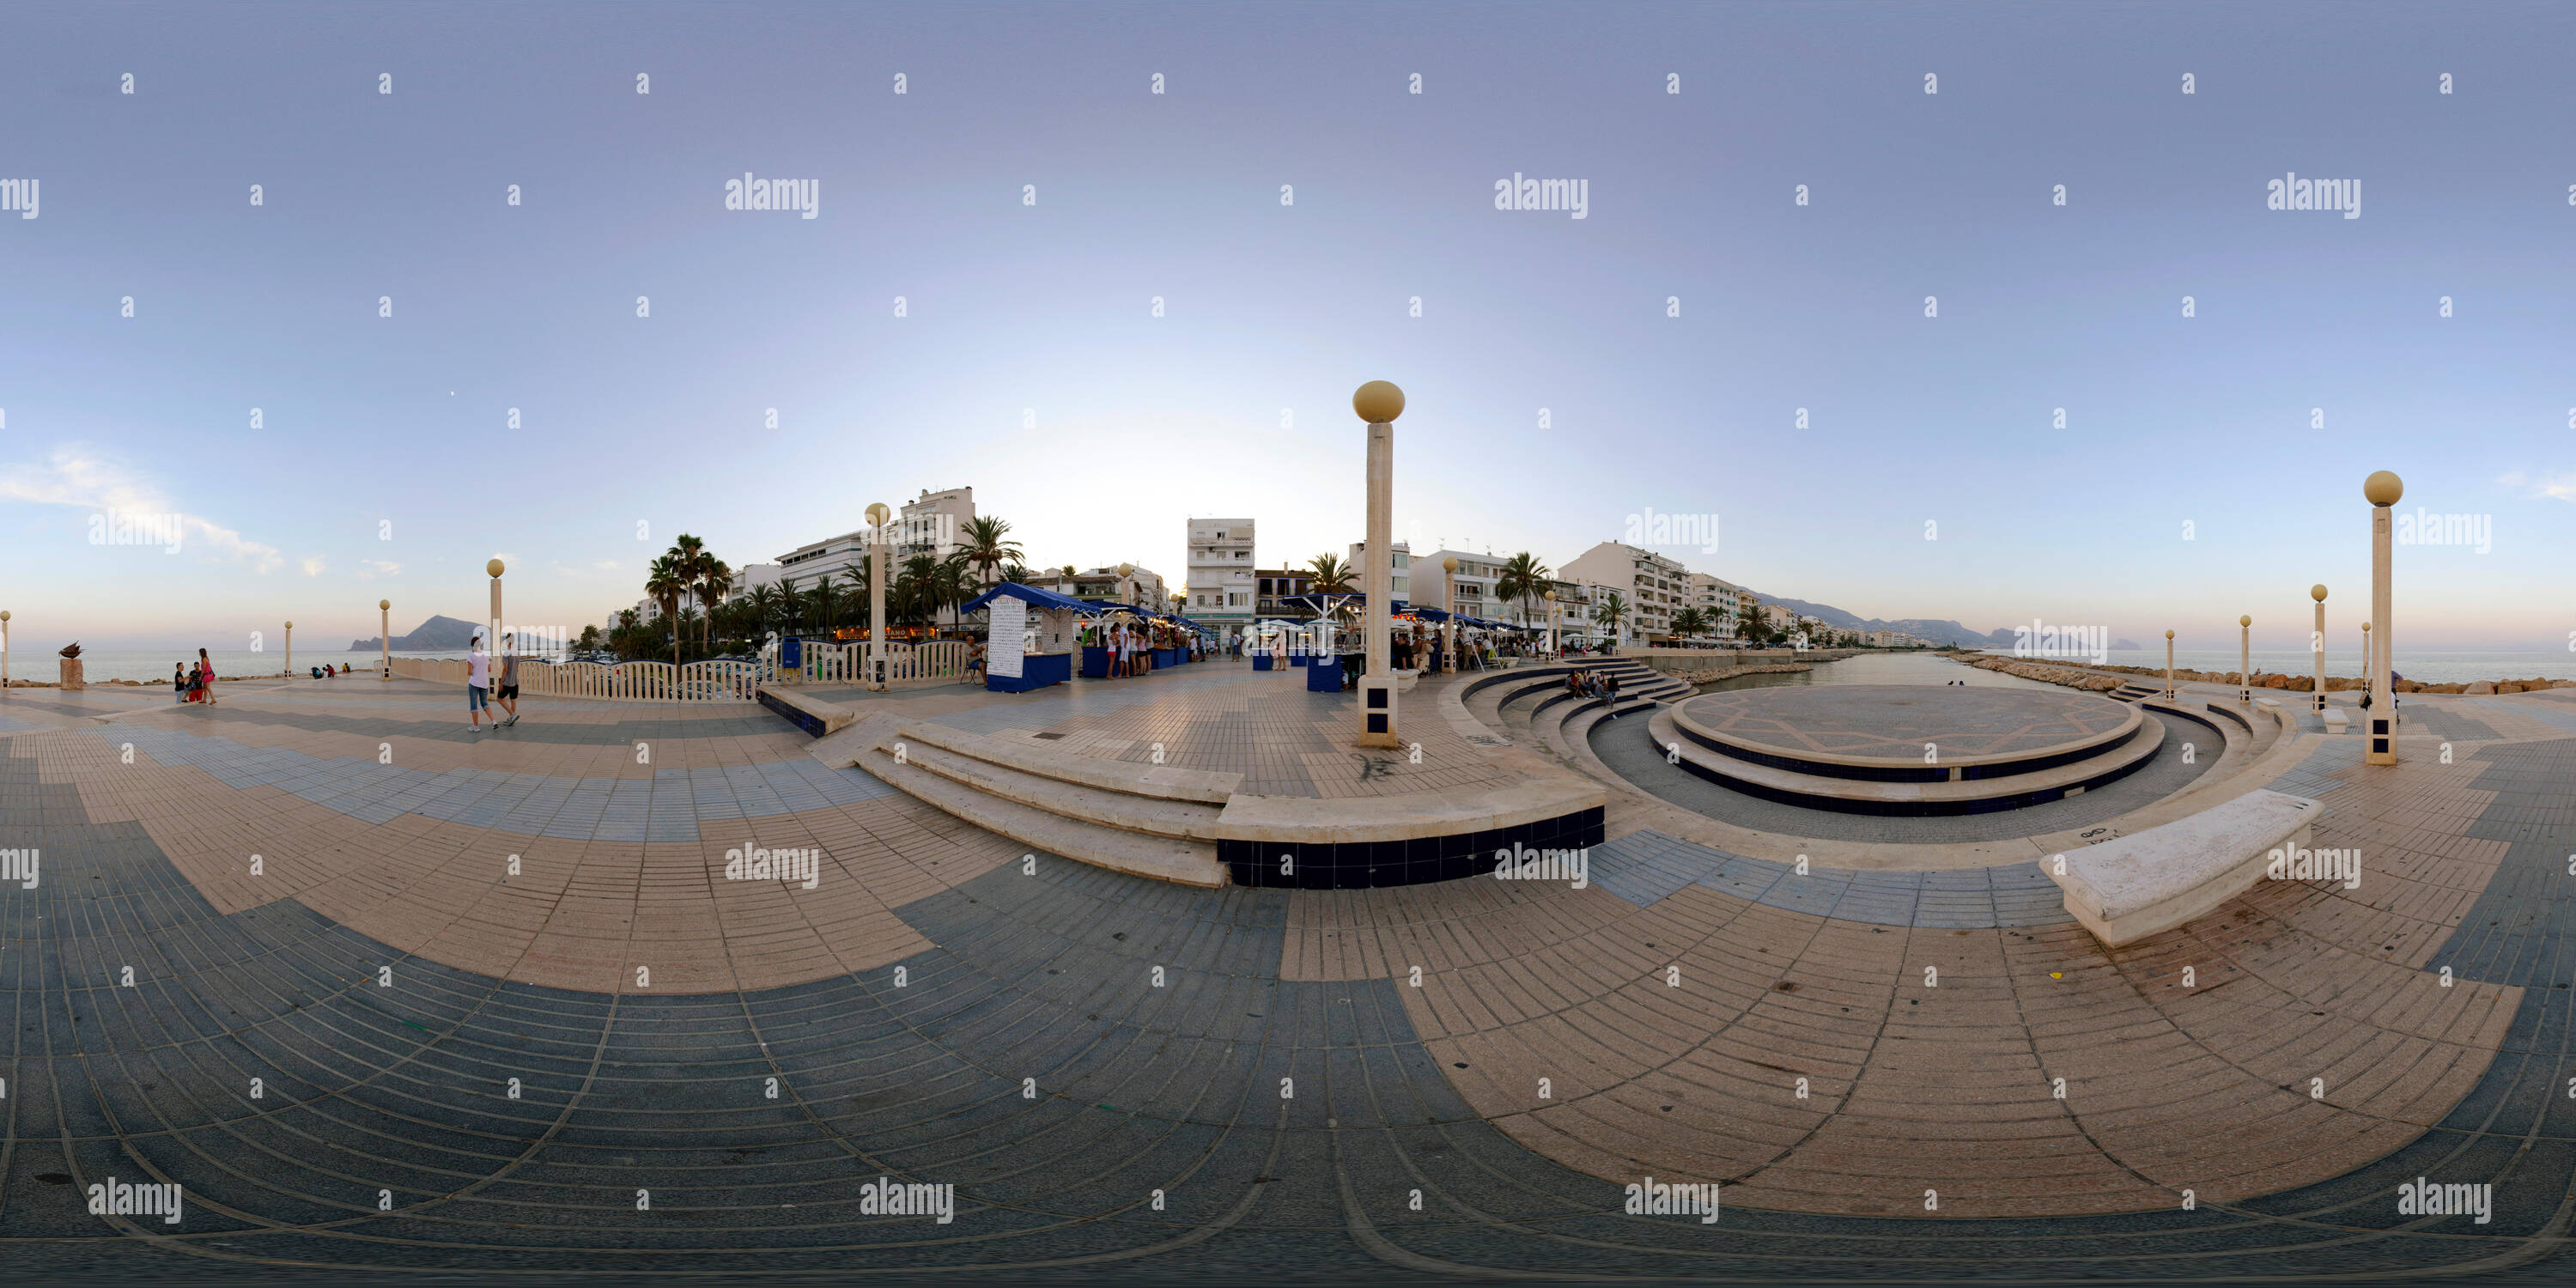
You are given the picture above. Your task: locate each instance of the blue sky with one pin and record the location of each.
(1141, 421)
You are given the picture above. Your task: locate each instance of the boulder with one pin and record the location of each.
(2481, 686)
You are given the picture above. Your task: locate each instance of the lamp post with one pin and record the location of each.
(4, 650)
(1378, 403)
(1552, 610)
(2382, 489)
(1449, 600)
(290, 650)
(492, 639)
(2245, 652)
(2169, 687)
(1127, 590)
(877, 513)
(385, 637)
(2317, 642)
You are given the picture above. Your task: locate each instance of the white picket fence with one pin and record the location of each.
(624, 682)
(929, 662)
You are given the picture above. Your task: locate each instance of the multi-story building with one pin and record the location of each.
(1653, 587)
(930, 524)
(1478, 579)
(1140, 586)
(1403, 569)
(1222, 583)
(1719, 600)
(1273, 588)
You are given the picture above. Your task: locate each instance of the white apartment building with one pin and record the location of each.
(1140, 585)
(1719, 600)
(1403, 569)
(1476, 580)
(1220, 577)
(1654, 587)
(930, 524)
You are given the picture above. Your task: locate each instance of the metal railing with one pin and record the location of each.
(623, 682)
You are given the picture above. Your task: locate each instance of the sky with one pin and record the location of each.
(1292, 204)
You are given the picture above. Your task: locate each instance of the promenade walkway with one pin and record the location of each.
(940, 1009)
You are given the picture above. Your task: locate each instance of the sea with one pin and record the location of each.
(2425, 666)
(153, 665)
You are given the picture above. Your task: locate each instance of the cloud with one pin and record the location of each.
(77, 476)
(312, 565)
(2555, 487)
(370, 567)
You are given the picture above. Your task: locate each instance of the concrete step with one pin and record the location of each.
(1179, 819)
(1162, 858)
(1161, 782)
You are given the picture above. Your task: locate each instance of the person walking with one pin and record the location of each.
(1610, 685)
(478, 683)
(509, 692)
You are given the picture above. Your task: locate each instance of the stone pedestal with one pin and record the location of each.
(72, 674)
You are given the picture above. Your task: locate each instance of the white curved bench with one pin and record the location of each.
(2130, 887)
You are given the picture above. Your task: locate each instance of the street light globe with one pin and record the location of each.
(1449, 564)
(1126, 570)
(2168, 634)
(290, 626)
(384, 603)
(493, 567)
(2246, 620)
(2383, 488)
(2317, 592)
(1550, 596)
(2365, 628)
(1378, 402)
(877, 514)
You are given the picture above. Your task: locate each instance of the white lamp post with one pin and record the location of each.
(2382, 490)
(290, 650)
(385, 637)
(4, 649)
(1449, 600)
(2317, 642)
(877, 514)
(1378, 403)
(2245, 652)
(2169, 687)
(492, 638)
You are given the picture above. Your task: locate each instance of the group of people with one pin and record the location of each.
(329, 671)
(194, 683)
(479, 694)
(1583, 682)
(1131, 645)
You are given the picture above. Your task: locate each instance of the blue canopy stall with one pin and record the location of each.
(1025, 655)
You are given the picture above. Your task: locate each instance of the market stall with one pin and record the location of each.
(1032, 639)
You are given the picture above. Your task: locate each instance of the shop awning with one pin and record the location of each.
(1045, 599)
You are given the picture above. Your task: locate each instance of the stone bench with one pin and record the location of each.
(2133, 886)
(2336, 720)
(811, 714)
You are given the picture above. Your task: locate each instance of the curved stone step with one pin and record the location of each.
(1162, 782)
(1162, 858)
(1867, 796)
(1179, 819)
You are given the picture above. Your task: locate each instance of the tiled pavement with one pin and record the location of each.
(397, 1094)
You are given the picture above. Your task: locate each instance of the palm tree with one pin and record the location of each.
(1613, 613)
(1015, 572)
(984, 544)
(1689, 622)
(763, 603)
(664, 582)
(715, 581)
(820, 602)
(1523, 579)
